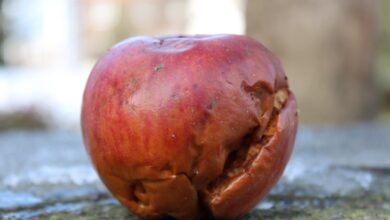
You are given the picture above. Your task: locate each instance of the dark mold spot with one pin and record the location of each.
(212, 104)
(161, 41)
(159, 67)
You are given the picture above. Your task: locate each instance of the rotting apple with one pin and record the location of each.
(189, 126)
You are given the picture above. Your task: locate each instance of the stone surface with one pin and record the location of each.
(334, 173)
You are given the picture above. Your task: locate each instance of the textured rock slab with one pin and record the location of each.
(335, 173)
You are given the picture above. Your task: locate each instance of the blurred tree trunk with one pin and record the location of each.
(328, 49)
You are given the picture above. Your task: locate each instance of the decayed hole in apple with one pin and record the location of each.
(240, 156)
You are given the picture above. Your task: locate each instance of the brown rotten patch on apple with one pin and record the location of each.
(248, 166)
(242, 155)
(248, 163)
(189, 127)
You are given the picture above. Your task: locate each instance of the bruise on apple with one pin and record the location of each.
(238, 164)
(240, 158)
(191, 126)
(241, 164)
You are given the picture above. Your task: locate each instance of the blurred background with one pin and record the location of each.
(336, 53)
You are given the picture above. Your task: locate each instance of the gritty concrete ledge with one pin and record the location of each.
(334, 173)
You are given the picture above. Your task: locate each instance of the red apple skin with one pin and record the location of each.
(165, 120)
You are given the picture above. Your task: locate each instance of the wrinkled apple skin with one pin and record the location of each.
(189, 126)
